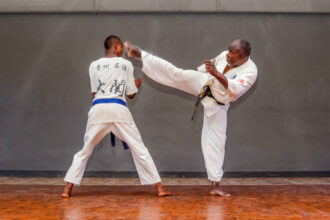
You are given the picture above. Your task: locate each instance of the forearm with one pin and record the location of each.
(138, 83)
(214, 72)
(222, 79)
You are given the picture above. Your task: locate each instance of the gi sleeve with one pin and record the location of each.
(93, 78)
(130, 87)
(201, 68)
(240, 85)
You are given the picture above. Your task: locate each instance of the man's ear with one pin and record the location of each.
(242, 55)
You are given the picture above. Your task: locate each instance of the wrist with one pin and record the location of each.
(215, 73)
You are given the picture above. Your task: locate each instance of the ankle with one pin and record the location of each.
(159, 187)
(215, 185)
(69, 186)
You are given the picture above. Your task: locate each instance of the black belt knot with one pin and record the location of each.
(206, 91)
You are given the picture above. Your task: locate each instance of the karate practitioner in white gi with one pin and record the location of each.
(222, 80)
(112, 79)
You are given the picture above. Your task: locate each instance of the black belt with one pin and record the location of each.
(205, 92)
(209, 94)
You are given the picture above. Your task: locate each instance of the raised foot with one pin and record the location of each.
(132, 51)
(128, 49)
(218, 192)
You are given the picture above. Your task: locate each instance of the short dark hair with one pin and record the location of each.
(245, 46)
(110, 41)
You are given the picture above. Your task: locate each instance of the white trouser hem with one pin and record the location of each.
(215, 179)
(142, 182)
(76, 183)
(150, 182)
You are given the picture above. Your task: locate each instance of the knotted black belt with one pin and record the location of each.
(206, 91)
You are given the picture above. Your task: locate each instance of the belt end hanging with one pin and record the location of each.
(113, 140)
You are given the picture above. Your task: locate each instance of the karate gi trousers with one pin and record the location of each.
(215, 115)
(127, 132)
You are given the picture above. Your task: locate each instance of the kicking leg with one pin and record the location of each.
(167, 74)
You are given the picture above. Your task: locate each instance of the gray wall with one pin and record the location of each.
(281, 124)
(96, 6)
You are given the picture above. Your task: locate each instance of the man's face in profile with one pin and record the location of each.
(235, 53)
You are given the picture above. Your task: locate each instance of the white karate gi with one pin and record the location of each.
(112, 78)
(240, 79)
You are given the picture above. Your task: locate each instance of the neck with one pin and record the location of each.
(111, 54)
(240, 62)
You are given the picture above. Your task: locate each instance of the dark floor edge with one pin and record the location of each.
(115, 174)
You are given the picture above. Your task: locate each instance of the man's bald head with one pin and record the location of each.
(244, 46)
(239, 52)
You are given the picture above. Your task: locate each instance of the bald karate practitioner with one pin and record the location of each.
(112, 79)
(220, 81)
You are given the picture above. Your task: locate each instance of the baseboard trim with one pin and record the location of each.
(131, 174)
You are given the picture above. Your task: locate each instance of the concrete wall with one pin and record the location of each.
(281, 124)
(95, 6)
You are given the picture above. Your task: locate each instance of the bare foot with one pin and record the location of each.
(132, 51)
(161, 192)
(67, 190)
(218, 192)
(164, 193)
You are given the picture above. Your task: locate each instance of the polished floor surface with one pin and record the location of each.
(188, 202)
(169, 181)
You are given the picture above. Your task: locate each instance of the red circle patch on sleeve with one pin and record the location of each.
(241, 81)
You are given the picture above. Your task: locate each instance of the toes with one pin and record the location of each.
(225, 194)
(219, 193)
(64, 195)
(128, 49)
(127, 45)
(163, 194)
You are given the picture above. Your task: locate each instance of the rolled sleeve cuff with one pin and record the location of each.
(132, 91)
